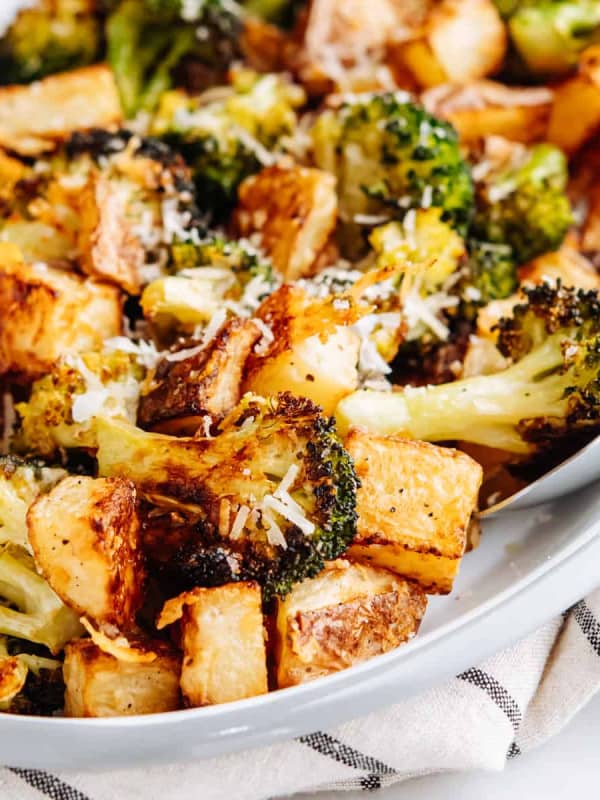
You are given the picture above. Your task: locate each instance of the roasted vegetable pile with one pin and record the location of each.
(282, 308)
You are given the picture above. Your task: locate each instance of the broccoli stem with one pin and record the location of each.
(486, 409)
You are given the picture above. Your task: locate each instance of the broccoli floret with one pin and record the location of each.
(273, 495)
(550, 392)
(149, 39)
(525, 206)
(54, 36)
(228, 138)
(213, 275)
(490, 273)
(390, 155)
(63, 404)
(20, 483)
(29, 609)
(549, 35)
(279, 12)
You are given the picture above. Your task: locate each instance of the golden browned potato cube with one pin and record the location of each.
(100, 685)
(36, 117)
(109, 248)
(48, 312)
(575, 114)
(294, 212)
(223, 642)
(206, 382)
(304, 357)
(347, 614)
(487, 108)
(414, 507)
(85, 536)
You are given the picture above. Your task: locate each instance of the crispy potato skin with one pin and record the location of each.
(109, 249)
(306, 357)
(294, 210)
(208, 382)
(347, 614)
(414, 507)
(85, 536)
(99, 685)
(223, 642)
(37, 117)
(486, 108)
(48, 312)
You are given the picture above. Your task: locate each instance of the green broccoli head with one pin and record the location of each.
(269, 498)
(490, 273)
(29, 609)
(551, 392)
(228, 138)
(51, 37)
(390, 155)
(279, 12)
(549, 35)
(147, 41)
(63, 404)
(526, 206)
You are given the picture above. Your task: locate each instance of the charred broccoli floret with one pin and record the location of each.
(29, 609)
(550, 392)
(63, 404)
(525, 206)
(148, 40)
(20, 483)
(273, 494)
(549, 35)
(390, 155)
(54, 36)
(226, 138)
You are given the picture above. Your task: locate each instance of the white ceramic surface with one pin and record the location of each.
(529, 566)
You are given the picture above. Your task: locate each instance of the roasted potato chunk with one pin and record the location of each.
(347, 614)
(223, 642)
(100, 685)
(47, 313)
(567, 265)
(294, 211)
(303, 358)
(85, 536)
(109, 248)
(207, 382)
(36, 117)
(575, 114)
(487, 108)
(414, 507)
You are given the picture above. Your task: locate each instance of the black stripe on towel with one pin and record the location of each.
(329, 746)
(500, 696)
(48, 784)
(588, 624)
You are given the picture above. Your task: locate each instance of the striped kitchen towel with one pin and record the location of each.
(486, 715)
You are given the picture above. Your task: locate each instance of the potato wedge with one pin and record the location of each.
(487, 108)
(414, 507)
(206, 382)
(100, 685)
(223, 642)
(347, 614)
(47, 313)
(304, 357)
(294, 211)
(37, 117)
(85, 536)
